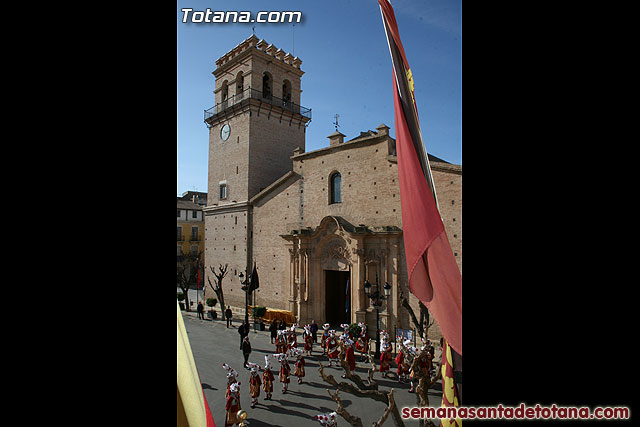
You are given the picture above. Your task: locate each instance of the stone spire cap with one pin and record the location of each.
(335, 138)
(383, 129)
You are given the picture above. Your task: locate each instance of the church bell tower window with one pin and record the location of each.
(239, 84)
(267, 84)
(224, 94)
(286, 94)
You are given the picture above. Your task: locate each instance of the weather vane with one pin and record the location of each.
(336, 122)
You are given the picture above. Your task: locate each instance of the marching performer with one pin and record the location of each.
(281, 342)
(341, 339)
(350, 358)
(385, 353)
(325, 337)
(308, 340)
(385, 359)
(347, 331)
(362, 344)
(292, 341)
(332, 348)
(267, 379)
(423, 366)
(285, 370)
(330, 419)
(233, 405)
(232, 377)
(299, 371)
(254, 384)
(401, 360)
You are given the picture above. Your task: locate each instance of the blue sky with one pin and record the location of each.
(347, 68)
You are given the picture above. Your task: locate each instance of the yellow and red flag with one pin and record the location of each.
(449, 390)
(193, 410)
(434, 277)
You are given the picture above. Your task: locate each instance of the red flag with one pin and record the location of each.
(198, 280)
(209, 417)
(434, 277)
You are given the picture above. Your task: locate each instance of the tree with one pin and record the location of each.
(188, 265)
(424, 381)
(361, 389)
(217, 288)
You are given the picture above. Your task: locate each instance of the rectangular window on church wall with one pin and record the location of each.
(223, 191)
(335, 188)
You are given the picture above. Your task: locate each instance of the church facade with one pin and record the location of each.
(317, 224)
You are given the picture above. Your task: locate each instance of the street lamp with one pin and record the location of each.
(376, 299)
(247, 291)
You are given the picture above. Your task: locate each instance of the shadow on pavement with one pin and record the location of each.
(309, 395)
(281, 410)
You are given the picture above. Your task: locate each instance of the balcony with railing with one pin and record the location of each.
(250, 93)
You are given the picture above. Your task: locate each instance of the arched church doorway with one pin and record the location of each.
(337, 297)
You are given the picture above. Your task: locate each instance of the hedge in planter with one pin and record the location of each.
(211, 302)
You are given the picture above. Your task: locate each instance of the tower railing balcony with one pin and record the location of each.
(266, 98)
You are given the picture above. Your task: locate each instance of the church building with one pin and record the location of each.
(317, 224)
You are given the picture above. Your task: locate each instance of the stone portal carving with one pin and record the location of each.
(336, 255)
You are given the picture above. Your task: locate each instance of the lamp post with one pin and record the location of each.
(247, 292)
(376, 299)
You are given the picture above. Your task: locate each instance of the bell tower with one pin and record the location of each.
(256, 122)
(255, 125)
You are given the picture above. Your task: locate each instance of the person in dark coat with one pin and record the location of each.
(246, 350)
(314, 331)
(200, 310)
(282, 325)
(227, 315)
(243, 330)
(273, 329)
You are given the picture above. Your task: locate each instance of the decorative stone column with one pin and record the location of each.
(292, 278)
(359, 277)
(303, 288)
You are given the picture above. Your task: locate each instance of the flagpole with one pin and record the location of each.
(421, 148)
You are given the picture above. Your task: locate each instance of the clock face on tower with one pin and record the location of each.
(225, 132)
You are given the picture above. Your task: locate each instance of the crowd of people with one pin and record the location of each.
(334, 346)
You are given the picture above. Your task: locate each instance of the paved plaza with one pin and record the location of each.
(213, 343)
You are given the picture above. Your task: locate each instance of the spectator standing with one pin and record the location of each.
(200, 310)
(282, 325)
(314, 331)
(246, 350)
(227, 315)
(243, 330)
(273, 329)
